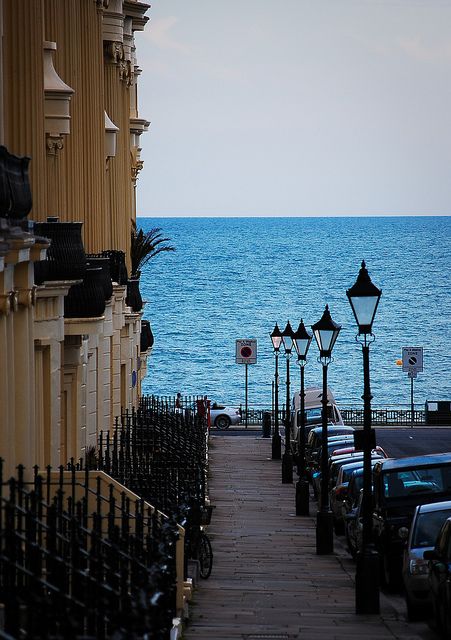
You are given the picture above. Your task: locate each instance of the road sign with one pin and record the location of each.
(412, 359)
(246, 351)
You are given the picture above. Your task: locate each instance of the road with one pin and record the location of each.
(399, 442)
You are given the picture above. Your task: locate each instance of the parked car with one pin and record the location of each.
(426, 524)
(335, 462)
(339, 493)
(315, 434)
(333, 443)
(222, 417)
(340, 452)
(315, 463)
(313, 410)
(354, 526)
(334, 434)
(399, 486)
(440, 579)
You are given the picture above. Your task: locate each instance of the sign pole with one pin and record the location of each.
(412, 406)
(245, 395)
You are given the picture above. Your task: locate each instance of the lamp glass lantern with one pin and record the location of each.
(287, 338)
(364, 299)
(276, 338)
(302, 339)
(326, 333)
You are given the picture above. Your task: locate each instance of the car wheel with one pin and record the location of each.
(349, 544)
(222, 422)
(339, 527)
(414, 612)
(391, 572)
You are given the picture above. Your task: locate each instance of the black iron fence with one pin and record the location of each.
(384, 417)
(75, 562)
(390, 416)
(159, 454)
(83, 554)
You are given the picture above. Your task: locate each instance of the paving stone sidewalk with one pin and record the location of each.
(267, 581)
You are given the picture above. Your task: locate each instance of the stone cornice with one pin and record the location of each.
(83, 326)
(136, 11)
(55, 288)
(139, 125)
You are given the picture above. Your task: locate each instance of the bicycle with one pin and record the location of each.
(199, 543)
(204, 554)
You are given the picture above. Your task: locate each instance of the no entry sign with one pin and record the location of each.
(412, 360)
(246, 351)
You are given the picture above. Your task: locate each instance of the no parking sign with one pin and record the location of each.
(246, 351)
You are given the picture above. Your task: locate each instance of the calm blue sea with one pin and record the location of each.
(233, 278)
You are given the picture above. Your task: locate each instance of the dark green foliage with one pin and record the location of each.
(146, 245)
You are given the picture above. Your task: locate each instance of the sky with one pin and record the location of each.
(296, 108)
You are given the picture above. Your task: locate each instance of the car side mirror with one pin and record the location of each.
(430, 554)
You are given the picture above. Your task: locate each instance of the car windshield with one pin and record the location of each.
(427, 527)
(406, 482)
(313, 415)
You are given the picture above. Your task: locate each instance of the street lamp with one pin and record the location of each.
(276, 339)
(326, 333)
(302, 340)
(287, 458)
(364, 298)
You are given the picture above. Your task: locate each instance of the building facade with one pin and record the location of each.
(68, 78)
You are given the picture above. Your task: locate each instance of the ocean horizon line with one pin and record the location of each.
(289, 217)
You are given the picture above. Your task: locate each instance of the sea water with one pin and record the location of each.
(234, 278)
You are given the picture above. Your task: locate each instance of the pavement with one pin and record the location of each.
(267, 582)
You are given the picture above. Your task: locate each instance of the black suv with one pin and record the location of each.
(399, 486)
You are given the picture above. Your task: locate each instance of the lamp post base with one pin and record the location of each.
(276, 447)
(324, 533)
(302, 497)
(287, 468)
(367, 581)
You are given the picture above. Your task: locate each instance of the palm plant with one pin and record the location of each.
(146, 245)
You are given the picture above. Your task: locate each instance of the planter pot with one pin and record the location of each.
(133, 298)
(66, 258)
(104, 264)
(147, 338)
(118, 268)
(86, 300)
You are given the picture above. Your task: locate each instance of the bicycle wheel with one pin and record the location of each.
(205, 556)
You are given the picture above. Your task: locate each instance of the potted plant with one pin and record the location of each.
(144, 245)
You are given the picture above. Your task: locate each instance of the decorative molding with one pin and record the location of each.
(54, 144)
(113, 22)
(5, 304)
(26, 297)
(136, 10)
(13, 301)
(102, 5)
(114, 52)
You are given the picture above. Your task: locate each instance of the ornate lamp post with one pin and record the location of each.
(302, 340)
(276, 339)
(326, 333)
(287, 458)
(364, 298)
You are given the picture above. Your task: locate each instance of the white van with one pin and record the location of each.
(313, 408)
